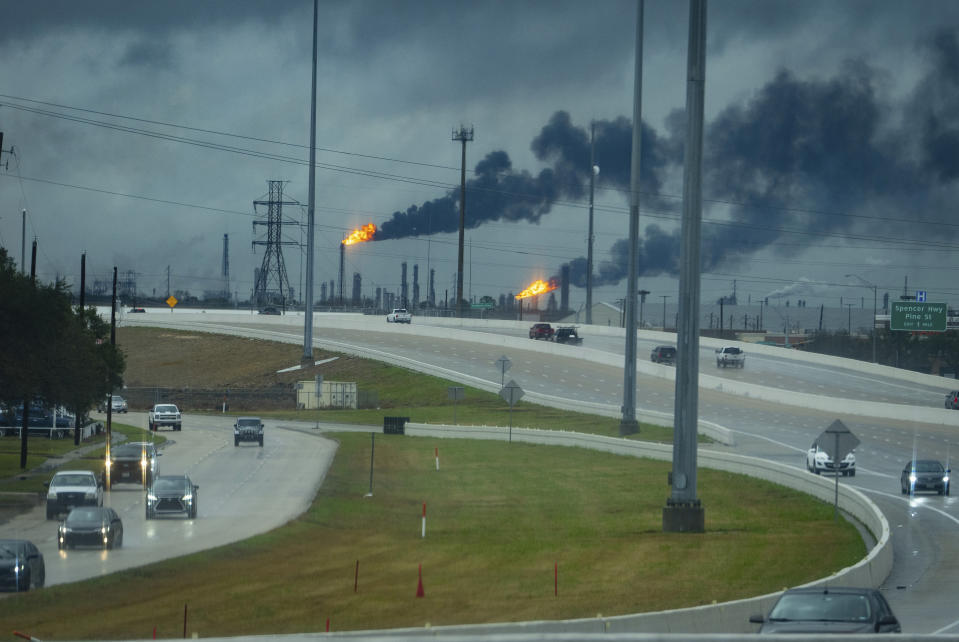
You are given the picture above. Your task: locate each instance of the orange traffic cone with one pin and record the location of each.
(419, 585)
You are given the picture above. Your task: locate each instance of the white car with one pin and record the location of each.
(164, 414)
(71, 488)
(818, 461)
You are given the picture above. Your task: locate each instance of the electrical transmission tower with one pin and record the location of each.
(272, 287)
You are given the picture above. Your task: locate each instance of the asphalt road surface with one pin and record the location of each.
(244, 490)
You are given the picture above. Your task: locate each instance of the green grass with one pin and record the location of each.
(499, 517)
(15, 479)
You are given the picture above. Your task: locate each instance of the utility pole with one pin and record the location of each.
(168, 281)
(83, 289)
(310, 209)
(684, 511)
(463, 135)
(628, 424)
(665, 296)
(593, 170)
(23, 241)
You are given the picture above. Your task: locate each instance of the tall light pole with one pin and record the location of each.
(463, 135)
(310, 209)
(665, 296)
(593, 171)
(628, 425)
(873, 286)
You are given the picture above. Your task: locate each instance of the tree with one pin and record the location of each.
(50, 352)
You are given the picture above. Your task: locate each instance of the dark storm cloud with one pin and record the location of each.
(935, 109)
(148, 54)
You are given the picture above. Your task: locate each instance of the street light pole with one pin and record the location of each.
(665, 296)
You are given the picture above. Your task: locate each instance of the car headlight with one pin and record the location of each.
(52, 494)
(912, 478)
(143, 463)
(188, 498)
(91, 494)
(151, 497)
(945, 479)
(103, 529)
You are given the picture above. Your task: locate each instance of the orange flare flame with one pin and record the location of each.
(361, 235)
(539, 286)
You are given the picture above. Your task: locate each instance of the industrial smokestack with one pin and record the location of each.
(342, 257)
(564, 288)
(404, 289)
(416, 285)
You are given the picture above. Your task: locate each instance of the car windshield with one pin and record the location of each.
(8, 551)
(85, 516)
(117, 399)
(72, 479)
(164, 485)
(248, 422)
(130, 450)
(166, 408)
(826, 607)
(928, 467)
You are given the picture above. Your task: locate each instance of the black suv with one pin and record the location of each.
(248, 429)
(567, 334)
(663, 354)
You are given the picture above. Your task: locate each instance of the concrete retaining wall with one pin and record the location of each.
(728, 617)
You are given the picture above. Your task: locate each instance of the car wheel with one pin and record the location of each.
(261, 442)
(816, 470)
(60, 545)
(148, 514)
(120, 540)
(852, 473)
(236, 442)
(193, 511)
(42, 579)
(24, 582)
(49, 513)
(109, 543)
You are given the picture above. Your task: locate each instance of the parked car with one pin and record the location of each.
(924, 474)
(91, 526)
(134, 462)
(663, 354)
(541, 331)
(269, 310)
(567, 334)
(71, 488)
(172, 494)
(818, 461)
(248, 429)
(137, 311)
(21, 565)
(164, 414)
(952, 400)
(813, 611)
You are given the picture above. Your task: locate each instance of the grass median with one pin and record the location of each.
(500, 518)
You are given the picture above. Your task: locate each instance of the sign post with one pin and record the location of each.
(504, 364)
(455, 393)
(837, 441)
(511, 393)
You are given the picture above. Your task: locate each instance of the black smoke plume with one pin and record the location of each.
(799, 159)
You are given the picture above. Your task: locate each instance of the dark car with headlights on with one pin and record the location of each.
(135, 462)
(924, 474)
(172, 495)
(21, 565)
(98, 526)
(813, 611)
(248, 429)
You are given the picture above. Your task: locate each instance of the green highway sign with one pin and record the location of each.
(918, 317)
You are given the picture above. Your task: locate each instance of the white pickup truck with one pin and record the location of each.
(164, 414)
(730, 356)
(399, 315)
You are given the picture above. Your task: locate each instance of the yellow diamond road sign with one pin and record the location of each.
(171, 301)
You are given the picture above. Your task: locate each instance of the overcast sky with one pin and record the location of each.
(144, 131)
